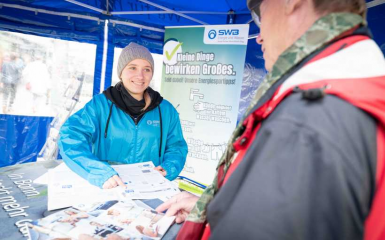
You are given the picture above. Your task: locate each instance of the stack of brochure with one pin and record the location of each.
(190, 185)
(98, 220)
(66, 188)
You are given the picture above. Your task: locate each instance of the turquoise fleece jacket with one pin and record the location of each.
(87, 151)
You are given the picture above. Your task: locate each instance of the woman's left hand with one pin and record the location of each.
(161, 170)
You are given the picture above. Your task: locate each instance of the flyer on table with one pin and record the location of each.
(202, 77)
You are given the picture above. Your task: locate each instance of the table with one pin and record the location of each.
(29, 200)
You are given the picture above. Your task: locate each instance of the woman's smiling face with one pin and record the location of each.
(136, 77)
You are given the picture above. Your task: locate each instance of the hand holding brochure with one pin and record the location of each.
(143, 182)
(99, 220)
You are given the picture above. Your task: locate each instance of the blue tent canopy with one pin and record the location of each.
(138, 19)
(141, 21)
(115, 23)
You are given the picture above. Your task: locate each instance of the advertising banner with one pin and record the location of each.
(202, 78)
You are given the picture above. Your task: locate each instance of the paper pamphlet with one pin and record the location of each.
(143, 182)
(101, 219)
(66, 188)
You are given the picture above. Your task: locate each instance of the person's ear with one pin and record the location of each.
(292, 5)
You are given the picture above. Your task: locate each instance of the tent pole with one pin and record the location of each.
(168, 12)
(137, 25)
(104, 59)
(86, 6)
(231, 17)
(37, 10)
(374, 3)
(175, 12)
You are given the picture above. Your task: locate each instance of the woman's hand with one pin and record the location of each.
(180, 206)
(161, 170)
(112, 182)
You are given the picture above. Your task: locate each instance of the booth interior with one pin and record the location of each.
(83, 39)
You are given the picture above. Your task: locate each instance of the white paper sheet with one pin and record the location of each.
(143, 182)
(67, 189)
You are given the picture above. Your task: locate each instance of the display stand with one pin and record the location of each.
(71, 95)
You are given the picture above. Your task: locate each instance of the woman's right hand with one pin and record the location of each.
(112, 182)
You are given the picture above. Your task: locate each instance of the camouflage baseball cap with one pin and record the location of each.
(253, 5)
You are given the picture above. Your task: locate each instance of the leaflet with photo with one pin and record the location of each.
(98, 220)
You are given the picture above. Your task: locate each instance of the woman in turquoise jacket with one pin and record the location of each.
(128, 123)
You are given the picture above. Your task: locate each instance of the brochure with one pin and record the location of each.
(98, 220)
(66, 188)
(143, 182)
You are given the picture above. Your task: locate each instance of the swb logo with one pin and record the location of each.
(223, 32)
(212, 34)
(226, 32)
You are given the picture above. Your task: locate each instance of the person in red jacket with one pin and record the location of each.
(308, 160)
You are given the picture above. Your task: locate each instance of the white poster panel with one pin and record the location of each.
(202, 78)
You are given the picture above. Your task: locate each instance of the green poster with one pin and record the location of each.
(202, 78)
